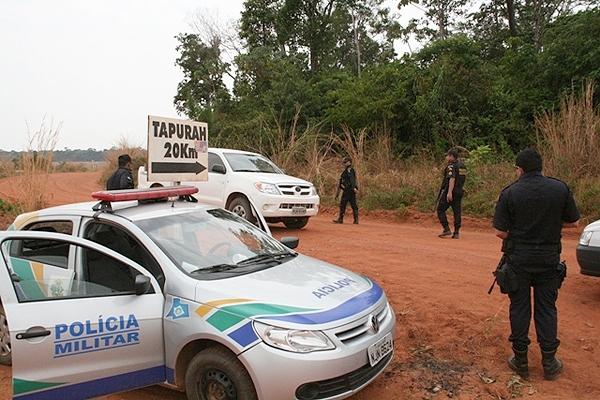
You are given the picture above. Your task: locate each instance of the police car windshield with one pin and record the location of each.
(251, 163)
(198, 240)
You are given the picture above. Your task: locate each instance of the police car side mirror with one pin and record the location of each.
(142, 285)
(290, 241)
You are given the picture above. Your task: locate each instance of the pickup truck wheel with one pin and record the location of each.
(217, 374)
(241, 207)
(295, 223)
(5, 347)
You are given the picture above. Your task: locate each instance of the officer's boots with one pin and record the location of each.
(519, 363)
(552, 365)
(455, 235)
(446, 232)
(355, 217)
(339, 220)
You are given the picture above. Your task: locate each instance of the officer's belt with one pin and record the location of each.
(534, 246)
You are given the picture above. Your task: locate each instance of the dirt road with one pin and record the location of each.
(451, 335)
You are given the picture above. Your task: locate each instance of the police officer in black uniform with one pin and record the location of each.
(349, 188)
(451, 193)
(529, 216)
(122, 178)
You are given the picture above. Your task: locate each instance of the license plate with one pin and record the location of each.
(299, 210)
(377, 351)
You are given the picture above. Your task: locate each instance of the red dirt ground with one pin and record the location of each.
(451, 335)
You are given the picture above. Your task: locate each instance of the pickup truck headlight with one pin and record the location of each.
(295, 340)
(585, 238)
(267, 188)
(313, 191)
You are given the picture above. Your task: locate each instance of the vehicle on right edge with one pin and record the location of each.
(588, 250)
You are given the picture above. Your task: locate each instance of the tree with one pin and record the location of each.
(202, 90)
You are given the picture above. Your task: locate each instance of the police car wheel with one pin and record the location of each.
(5, 347)
(241, 207)
(217, 374)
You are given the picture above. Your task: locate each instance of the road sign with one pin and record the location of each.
(177, 150)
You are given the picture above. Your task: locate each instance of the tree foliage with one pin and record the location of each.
(479, 78)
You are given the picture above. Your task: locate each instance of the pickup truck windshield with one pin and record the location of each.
(199, 240)
(251, 163)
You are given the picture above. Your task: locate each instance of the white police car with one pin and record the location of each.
(588, 250)
(144, 287)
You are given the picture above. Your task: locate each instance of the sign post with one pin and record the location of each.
(177, 150)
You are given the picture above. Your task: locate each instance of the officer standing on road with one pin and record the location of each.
(349, 189)
(122, 178)
(451, 193)
(529, 217)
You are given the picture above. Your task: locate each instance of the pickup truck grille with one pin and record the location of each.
(294, 190)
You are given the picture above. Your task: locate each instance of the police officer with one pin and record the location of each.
(451, 193)
(529, 216)
(122, 178)
(347, 185)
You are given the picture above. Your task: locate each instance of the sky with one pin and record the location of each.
(93, 71)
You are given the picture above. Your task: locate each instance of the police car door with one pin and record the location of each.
(78, 332)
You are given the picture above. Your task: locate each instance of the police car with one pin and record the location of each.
(588, 250)
(147, 286)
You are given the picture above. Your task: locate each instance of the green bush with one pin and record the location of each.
(9, 208)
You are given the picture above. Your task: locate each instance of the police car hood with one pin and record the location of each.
(274, 178)
(300, 292)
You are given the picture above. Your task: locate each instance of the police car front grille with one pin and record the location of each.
(294, 190)
(363, 326)
(289, 206)
(342, 384)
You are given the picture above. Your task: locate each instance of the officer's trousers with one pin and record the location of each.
(348, 196)
(545, 293)
(456, 205)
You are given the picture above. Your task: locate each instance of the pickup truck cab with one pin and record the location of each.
(235, 177)
(150, 287)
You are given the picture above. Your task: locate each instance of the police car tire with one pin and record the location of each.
(218, 366)
(295, 223)
(241, 207)
(5, 346)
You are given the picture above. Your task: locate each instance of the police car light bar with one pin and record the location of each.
(144, 194)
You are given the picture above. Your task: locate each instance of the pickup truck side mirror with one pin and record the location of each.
(290, 241)
(219, 168)
(142, 285)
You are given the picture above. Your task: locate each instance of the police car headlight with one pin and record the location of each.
(296, 340)
(313, 191)
(267, 188)
(585, 238)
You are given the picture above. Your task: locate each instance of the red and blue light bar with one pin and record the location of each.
(154, 193)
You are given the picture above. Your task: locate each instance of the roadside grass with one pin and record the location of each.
(390, 175)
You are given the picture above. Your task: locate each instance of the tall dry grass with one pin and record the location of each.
(569, 139)
(35, 165)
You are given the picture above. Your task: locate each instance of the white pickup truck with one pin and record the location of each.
(236, 176)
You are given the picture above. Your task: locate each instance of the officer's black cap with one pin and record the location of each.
(453, 153)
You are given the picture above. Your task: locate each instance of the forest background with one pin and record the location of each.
(307, 82)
